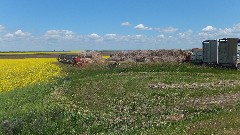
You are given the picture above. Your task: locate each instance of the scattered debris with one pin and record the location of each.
(93, 56)
(150, 56)
(82, 58)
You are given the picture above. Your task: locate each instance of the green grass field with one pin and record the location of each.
(133, 98)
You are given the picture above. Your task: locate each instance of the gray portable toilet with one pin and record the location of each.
(210, 51)
(228, 52)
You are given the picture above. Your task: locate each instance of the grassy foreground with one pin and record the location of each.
(129, 99)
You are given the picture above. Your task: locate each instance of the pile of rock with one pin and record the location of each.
(149, 56)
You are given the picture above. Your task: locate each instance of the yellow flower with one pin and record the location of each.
(17, 73)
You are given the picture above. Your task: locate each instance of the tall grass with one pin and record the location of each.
(96, 99)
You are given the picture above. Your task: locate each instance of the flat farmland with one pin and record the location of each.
(131, 98)
(22, 55)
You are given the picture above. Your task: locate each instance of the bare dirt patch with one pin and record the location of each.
(215, 84)
(219, 100)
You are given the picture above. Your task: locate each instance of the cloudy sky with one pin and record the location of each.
(46, 25)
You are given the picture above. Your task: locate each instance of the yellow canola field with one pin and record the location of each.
(105, 57)
(17, 73)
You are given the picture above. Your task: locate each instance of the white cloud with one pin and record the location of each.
(1, 28)
(126, 24)
(8, 35)
(210, 32)
(185, 35)
(110, 35)
(203, 34)
(19, 34)
(164, 30)
(68, 40)
(236, 28)
(94, 36)
(128, 39)
(139, 35)
(59, 34)
(225, 31)
(208, 29)
(157, 29)
(142, 27)
(161, 36)
(169, 30)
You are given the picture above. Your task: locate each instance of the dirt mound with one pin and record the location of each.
(149, 56)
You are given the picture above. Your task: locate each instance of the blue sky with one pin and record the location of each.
(45, 25)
